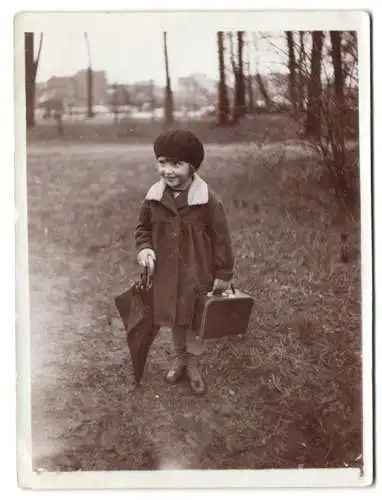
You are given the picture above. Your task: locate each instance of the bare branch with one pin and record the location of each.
(274, 45)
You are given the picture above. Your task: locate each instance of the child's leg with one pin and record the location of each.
(179, 339)
(196, 381)
(184, 360)
(180, 335)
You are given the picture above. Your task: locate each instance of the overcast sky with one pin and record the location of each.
(136, 53)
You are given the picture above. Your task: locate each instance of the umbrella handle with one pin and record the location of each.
(145, 277)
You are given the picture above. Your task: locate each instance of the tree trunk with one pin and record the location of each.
(223, 104)
(250, 92)
(240, 75)
(248, 80)
(238, 71)
(301, 73)
(335, 38)
(58, 118)
(339, 108)
(31, 66)
(29, 80)
(263, 90)
(235, 112)
(313, 119)
(115, 103)
(89, 81)
(90, 92)
(169, 114)
(292, 72)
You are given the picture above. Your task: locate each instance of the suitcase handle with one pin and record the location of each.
(219, 292)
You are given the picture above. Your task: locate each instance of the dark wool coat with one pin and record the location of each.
(190, 237)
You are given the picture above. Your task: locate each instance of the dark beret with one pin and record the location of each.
(181, 144)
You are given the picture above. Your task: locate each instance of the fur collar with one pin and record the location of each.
(197, 192)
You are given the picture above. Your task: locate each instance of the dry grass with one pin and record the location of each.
(288, 394)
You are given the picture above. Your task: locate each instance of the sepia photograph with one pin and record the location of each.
(194, 287)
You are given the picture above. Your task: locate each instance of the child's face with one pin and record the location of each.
(175, 173)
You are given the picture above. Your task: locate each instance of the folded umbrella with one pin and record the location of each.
(135, 307)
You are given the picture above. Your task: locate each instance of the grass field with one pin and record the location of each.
(267, 127)
(286, 395)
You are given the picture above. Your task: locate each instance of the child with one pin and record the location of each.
(182, 237)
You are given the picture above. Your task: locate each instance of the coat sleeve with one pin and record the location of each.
(143, 230)
(221, 240)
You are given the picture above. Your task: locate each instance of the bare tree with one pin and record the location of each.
(263, 90)
(302, 70)
(115, 102)
(330, 141)
(250, 88)
(292, 72)
(329, 71)
(223, 104)
(313, 120)
(238, 72)
(31, 66)
(169, 106)
(339, 108)
(89, 80)
(349, 57)
(336, 38)
(259, 78)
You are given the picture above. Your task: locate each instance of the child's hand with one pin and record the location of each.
(146, 258)
(220, 285)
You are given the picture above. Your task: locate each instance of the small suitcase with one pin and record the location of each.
(223, 314)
